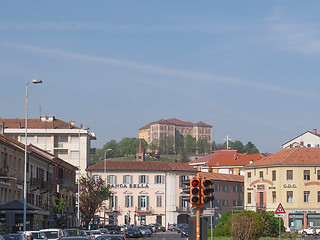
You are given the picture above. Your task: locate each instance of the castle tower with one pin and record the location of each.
(140, 153)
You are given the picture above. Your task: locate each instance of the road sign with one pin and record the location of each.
(279, 215)
(280, 209)
(208, 212)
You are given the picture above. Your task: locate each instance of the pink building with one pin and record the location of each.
(144, 192)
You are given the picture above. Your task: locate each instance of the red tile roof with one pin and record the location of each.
(112, 165)
(36, 124)
(215, 153)
(222, 177)
(177, 122)
(236, 160)
(291, 156)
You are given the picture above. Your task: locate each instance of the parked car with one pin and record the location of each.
(111, 237)
(37, 235)
(184, 232)
(181, 226)
(53, 233)
(123, 228)
(309, 231)
(89, 234)
(133, 232)
(172, 227)
(73, 232)
(145, 231)
(113, 229)
(74, 238)
(15, 236)
(96, 233)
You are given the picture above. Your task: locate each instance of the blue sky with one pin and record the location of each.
(248, 68)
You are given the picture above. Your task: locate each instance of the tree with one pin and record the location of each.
(237, 145)
(202, 145)
(251, 148)
(190, 144)
(213, 145)
(58, 207)
(92, 194)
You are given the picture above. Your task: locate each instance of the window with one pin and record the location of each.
(143, 202)
(249, 177)
(112, 179)
(306, 196)
(96, 178)
(274, 196)
(225, 188)
(159, 201)
(127, 179)
(274, 175)
(318, 196)
(113, 202)
(241, 188)
(225, 202)
(306, 174)
(249, 197)
(181, 179)
(236, 188)
(318, 173)
(144, 179)
(159, 179)
(289, 196)
(217, 188)
(128, 201)
(261, 175)
(289, 174)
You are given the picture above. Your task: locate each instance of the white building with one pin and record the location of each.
(60, 138)
(307, 139)
(144, 192)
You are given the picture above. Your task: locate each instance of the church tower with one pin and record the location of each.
(140, 152)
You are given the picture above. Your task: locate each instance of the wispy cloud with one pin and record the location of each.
(126, 28)
(185, 74)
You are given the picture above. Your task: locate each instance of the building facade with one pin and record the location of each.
(307, 139)
(144, 192)
(62, 139)
(172, 128)
(290, 177)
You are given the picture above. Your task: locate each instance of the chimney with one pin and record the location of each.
(314, 131)
(2, 128)
(72, 122)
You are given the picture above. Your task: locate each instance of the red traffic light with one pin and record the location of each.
(195, 183)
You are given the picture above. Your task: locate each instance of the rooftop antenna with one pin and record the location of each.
(228, 139)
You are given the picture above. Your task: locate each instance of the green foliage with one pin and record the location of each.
(203, 146)
(250, 148)
(57, 207)
(237, 145)
(190, 144)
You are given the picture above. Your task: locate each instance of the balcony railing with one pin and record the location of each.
(183, 209)
(261, 206)
(143, 209)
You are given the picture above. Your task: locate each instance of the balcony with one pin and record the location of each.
(183, 209)
(261, 206)
(66, 184)
(110, 210)
(144, 210)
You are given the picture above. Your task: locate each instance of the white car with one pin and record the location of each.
(53, 234)
(309, 231)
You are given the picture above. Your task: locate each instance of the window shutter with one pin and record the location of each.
(147, 203)
(140, 178)
(115, 179)
(115, 201)
(162, 179)
(126, 201)
(124, 178)
(147, 179)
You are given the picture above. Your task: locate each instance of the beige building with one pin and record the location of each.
(62, 139)
(144, 192)
(171, 128)
(290, 177)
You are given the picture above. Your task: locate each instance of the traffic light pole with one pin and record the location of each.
(198, 224)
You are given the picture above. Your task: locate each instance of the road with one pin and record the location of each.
(168, 235)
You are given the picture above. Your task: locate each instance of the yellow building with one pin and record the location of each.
(290, 177)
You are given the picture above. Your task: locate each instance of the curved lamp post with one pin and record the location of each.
(35, 81)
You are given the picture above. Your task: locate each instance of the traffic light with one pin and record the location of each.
(206, 191)
(195, 191)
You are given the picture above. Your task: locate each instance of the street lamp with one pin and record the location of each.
(105, 180)
(35, 81)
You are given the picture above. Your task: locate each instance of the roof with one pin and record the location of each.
(236, 160)
(17, 205)
(36, 123)
(176, 122)
(215, 153)
(112, 165)
(291, 156)
(316, 134)
(222, 177)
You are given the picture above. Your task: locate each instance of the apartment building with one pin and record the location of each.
(290, 177)
(144, 192)
(63, 139)
(172, 128)
(306, 139)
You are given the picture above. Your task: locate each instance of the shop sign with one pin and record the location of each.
(129, 185)
(260, 187)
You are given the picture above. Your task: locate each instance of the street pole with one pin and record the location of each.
(25, 158)
(198, 224)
